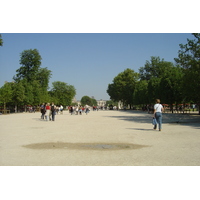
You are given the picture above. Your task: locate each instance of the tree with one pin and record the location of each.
(189, 60)
(30, 63)
(85, 100)
(155, 68)
(43, 76)
(171, 86)
(6, 93)
(140, 95)
(29, 96)
(123, 87)
(62, 93)
(164, 80)
(154, 89)
(34, 78)
(94, 102)
(1, 40)
(152, 68)
(18, 94)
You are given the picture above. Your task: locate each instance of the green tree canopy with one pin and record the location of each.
(35, 79)
(6, 93)
(171, 86)
(30, 62)
(155, 68)
(86, 100)
(140, 95)
(18, 93)
(94, 102)
(189, 60)
(123, 87)
(164, 81)
(43, 76)
(62, 93)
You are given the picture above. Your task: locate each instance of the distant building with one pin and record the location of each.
(74, 100)
(101, 103)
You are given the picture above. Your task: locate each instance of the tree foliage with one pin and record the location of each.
(154, 68)
(171, 86)
(123, 87)
(163, 79)
(189, 60)
(62, 93)
(6, 94)
(30, 62)
(34, 79)
(86, 100)
(140, 95)
(157, 79)
(31, 84)
(18, 93)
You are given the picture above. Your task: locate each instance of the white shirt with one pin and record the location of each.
(158, 107)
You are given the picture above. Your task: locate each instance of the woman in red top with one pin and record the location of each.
(48, 108)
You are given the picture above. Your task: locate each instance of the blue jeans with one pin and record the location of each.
(158, 117)
(53, 113)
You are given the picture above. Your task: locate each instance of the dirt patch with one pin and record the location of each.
(85, 146)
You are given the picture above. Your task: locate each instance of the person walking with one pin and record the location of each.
(48, 109)
(158, 109)
(61, 109)
(80, 110)
(87, 109)
(53, 111)
(71, 110)
(76, 110)
(43, 110)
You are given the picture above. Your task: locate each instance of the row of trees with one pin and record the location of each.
(172, 83)
(30, 85)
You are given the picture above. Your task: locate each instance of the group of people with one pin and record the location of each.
(49, 111)
(31, 108)
(78, 110)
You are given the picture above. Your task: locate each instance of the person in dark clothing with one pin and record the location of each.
(71, 110)
(53, 111)
(43, 110)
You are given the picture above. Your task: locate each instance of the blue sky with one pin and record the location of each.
(88, 61)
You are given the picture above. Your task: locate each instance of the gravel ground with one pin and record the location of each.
(101, 138)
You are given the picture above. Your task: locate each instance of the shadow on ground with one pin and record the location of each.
(192, 119)
(142, 129)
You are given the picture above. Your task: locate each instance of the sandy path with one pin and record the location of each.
(103, 138)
